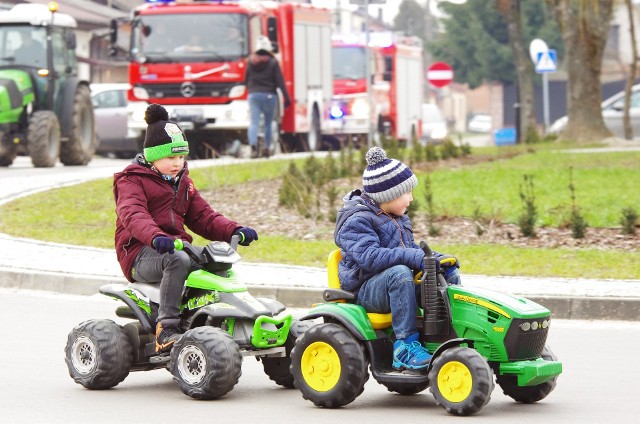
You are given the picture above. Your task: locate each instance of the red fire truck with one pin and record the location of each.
(191, 57)
(397, 84)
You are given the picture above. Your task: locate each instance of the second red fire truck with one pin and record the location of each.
(396, 92)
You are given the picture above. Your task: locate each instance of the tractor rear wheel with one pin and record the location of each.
(43, 139)
(461, 381)
(329, 366)
(83, 140)
(528, 394)
(8, 152)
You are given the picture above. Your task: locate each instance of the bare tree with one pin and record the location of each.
(585, 28)
(631, 76)
(510, 9)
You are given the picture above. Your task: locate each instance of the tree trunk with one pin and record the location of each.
(524, 68)
(585, 27)
(631, 76)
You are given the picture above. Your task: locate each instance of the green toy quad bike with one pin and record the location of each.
(472, 334)
(223, 321)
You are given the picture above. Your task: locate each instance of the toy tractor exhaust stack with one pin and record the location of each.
(436, 316)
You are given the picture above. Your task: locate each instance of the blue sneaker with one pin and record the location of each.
(410, 354)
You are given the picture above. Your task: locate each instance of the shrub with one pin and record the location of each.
(527, 220)
(628, 220)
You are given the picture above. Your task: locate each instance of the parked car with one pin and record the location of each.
(434, 124)
(613, 114)
(480, 123)
(110, 109)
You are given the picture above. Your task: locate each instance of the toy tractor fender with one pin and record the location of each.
(448, 345)
(352, 317)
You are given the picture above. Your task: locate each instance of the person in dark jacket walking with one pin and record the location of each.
(155, 200)
(264, 76)
(379, 255)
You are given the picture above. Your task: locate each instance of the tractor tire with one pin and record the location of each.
(461, 381)
(206, 363)
(98, 354)
(43, 139)
(528, 394)
(278, 368)
(83, 140)
(329, 366)
(8, 153)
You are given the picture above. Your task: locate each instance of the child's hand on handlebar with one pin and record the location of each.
(163, 244)
(247, 235)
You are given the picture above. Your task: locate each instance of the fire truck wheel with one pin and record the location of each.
(315, 136)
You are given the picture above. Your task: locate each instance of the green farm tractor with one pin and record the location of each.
(45, 108)
(472, 334)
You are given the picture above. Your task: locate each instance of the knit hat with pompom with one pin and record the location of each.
(386, 179)
(163, 138)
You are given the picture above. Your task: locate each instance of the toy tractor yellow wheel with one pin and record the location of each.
(329, 366)
(461, 381)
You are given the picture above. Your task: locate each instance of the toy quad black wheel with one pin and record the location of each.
(98, 354)
(43, 137)
(528, 394)
(461, 381)
(329, 366)
(278, 368)
(205, 363)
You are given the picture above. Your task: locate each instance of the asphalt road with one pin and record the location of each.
(599, 382)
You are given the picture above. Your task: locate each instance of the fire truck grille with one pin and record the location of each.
(521, 344)
(191, 89)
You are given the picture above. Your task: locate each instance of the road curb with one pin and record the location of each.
(563, 307)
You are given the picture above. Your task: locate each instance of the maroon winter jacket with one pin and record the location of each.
(148, 206)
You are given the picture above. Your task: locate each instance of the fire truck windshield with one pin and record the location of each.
(190, 37)
(349, 62)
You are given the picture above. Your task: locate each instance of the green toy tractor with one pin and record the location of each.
(45, 109)
(472, 334)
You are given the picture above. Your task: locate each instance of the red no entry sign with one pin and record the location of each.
(439, 74)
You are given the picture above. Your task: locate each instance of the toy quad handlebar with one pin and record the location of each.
(178, 244)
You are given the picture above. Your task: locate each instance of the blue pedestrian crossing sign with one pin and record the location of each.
(546, 62)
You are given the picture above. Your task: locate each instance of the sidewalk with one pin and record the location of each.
(35, 265)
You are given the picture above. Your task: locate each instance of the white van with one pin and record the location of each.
(434, 125)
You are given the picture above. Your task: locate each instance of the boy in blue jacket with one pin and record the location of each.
(379, 255)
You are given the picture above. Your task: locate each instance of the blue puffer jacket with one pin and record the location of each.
(372, 241)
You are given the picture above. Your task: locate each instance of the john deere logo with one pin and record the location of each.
(188, 89)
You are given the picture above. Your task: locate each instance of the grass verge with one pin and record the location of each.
(605, 184)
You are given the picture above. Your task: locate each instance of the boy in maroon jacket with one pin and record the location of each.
(155, 199)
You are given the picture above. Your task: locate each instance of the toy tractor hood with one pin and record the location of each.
(509, 306)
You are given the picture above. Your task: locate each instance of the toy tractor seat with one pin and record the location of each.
(335, 294)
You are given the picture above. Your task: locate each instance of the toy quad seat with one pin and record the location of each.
(335, 294)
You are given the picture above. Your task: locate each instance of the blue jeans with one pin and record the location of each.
(261, 104)
(392, 290)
